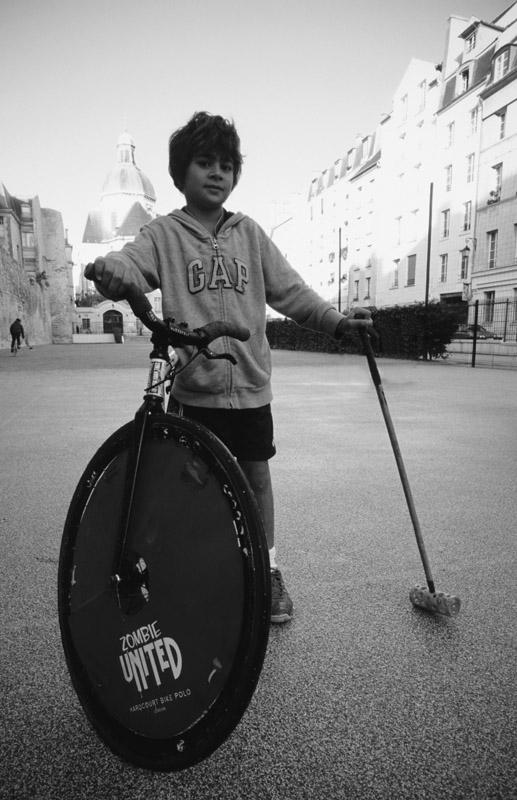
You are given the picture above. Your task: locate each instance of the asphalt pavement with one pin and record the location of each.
(362, 697)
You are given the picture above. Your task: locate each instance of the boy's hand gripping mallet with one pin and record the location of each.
(427, 598)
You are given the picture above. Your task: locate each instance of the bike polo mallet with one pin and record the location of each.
(425, 597)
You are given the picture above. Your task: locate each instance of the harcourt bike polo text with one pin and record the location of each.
(147, 655)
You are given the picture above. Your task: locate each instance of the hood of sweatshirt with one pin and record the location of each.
(194, 226)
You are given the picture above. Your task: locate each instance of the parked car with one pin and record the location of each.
(467, 332)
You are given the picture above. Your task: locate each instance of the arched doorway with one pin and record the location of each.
(112, 321)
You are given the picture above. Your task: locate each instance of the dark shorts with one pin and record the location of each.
(247, 433)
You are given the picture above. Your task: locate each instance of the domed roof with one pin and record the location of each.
(126, 139)
(126, 177)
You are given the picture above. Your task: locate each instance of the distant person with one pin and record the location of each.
(17, 334)
(210, 264)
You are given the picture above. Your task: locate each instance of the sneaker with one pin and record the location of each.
(281, 603)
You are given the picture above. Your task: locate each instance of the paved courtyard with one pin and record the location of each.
(362, 697)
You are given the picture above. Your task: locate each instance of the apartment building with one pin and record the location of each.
(425, 207)
(341, 224)
(494, 273)
(407, 165)
(462, 180)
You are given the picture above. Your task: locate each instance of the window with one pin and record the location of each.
(367, 295)
(474, 117)
(492, 248)
(422, 90)
(444, 260)
(356, 285)
(470, 43)
(498, 170)
(27, 239)
(515, 244)
(489, 307)
(450, 134)
(398, 230)
(467, 215)
(85, 324)
(464, 265)
(464, 81)
(502, 123)
(448, 178)
(470, 167)
(494, 195)
(446, 219)
(395, 273)
(501, 64)
(404, 107)
(411, 269)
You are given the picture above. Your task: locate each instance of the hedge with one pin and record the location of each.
(400, 332)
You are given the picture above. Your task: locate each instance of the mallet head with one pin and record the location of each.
(437, 602)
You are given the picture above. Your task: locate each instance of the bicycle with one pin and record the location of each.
(438, 350)
(163, 581)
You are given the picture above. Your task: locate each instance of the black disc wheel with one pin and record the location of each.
(164, 613)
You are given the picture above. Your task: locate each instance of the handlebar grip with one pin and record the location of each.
(213, 330)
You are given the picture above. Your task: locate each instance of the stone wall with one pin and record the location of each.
(60, 280)
(21, 298)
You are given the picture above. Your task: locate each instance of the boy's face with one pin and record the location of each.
(208, 181)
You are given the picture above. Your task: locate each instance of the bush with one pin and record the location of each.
(401, 332)
(411, 331)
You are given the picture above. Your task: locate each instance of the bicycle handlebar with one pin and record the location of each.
(177, 335)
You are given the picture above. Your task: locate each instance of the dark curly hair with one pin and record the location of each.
(203, 134)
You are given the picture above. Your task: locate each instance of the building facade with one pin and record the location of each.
(494, 274)
(36, 271)
(127, 202)
(425, 207)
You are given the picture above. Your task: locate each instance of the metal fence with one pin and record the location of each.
(488, 337)
(495, 319)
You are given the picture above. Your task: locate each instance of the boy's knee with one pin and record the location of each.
(257, 472)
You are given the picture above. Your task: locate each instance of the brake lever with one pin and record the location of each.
(215, 356)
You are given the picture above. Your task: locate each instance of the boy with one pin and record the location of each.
(214, 264)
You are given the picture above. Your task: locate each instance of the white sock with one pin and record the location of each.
(272, 558)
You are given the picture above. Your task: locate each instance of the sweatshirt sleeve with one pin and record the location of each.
(138, 261)
(287, 292)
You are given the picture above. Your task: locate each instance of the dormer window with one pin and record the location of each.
(470, 43)
(501, 64)
(404, 107)
(422, 91)
(464, 81)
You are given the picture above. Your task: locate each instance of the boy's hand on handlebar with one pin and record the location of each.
(108, 284)
(356, 320)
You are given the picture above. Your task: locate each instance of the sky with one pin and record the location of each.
(301, 79)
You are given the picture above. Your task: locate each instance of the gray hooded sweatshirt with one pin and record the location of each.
(229, 277)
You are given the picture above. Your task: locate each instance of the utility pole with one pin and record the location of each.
(428, 267)
(339, 275)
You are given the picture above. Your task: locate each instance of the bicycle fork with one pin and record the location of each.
(130, 576)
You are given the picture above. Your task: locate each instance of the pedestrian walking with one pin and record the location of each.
(17, 334)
